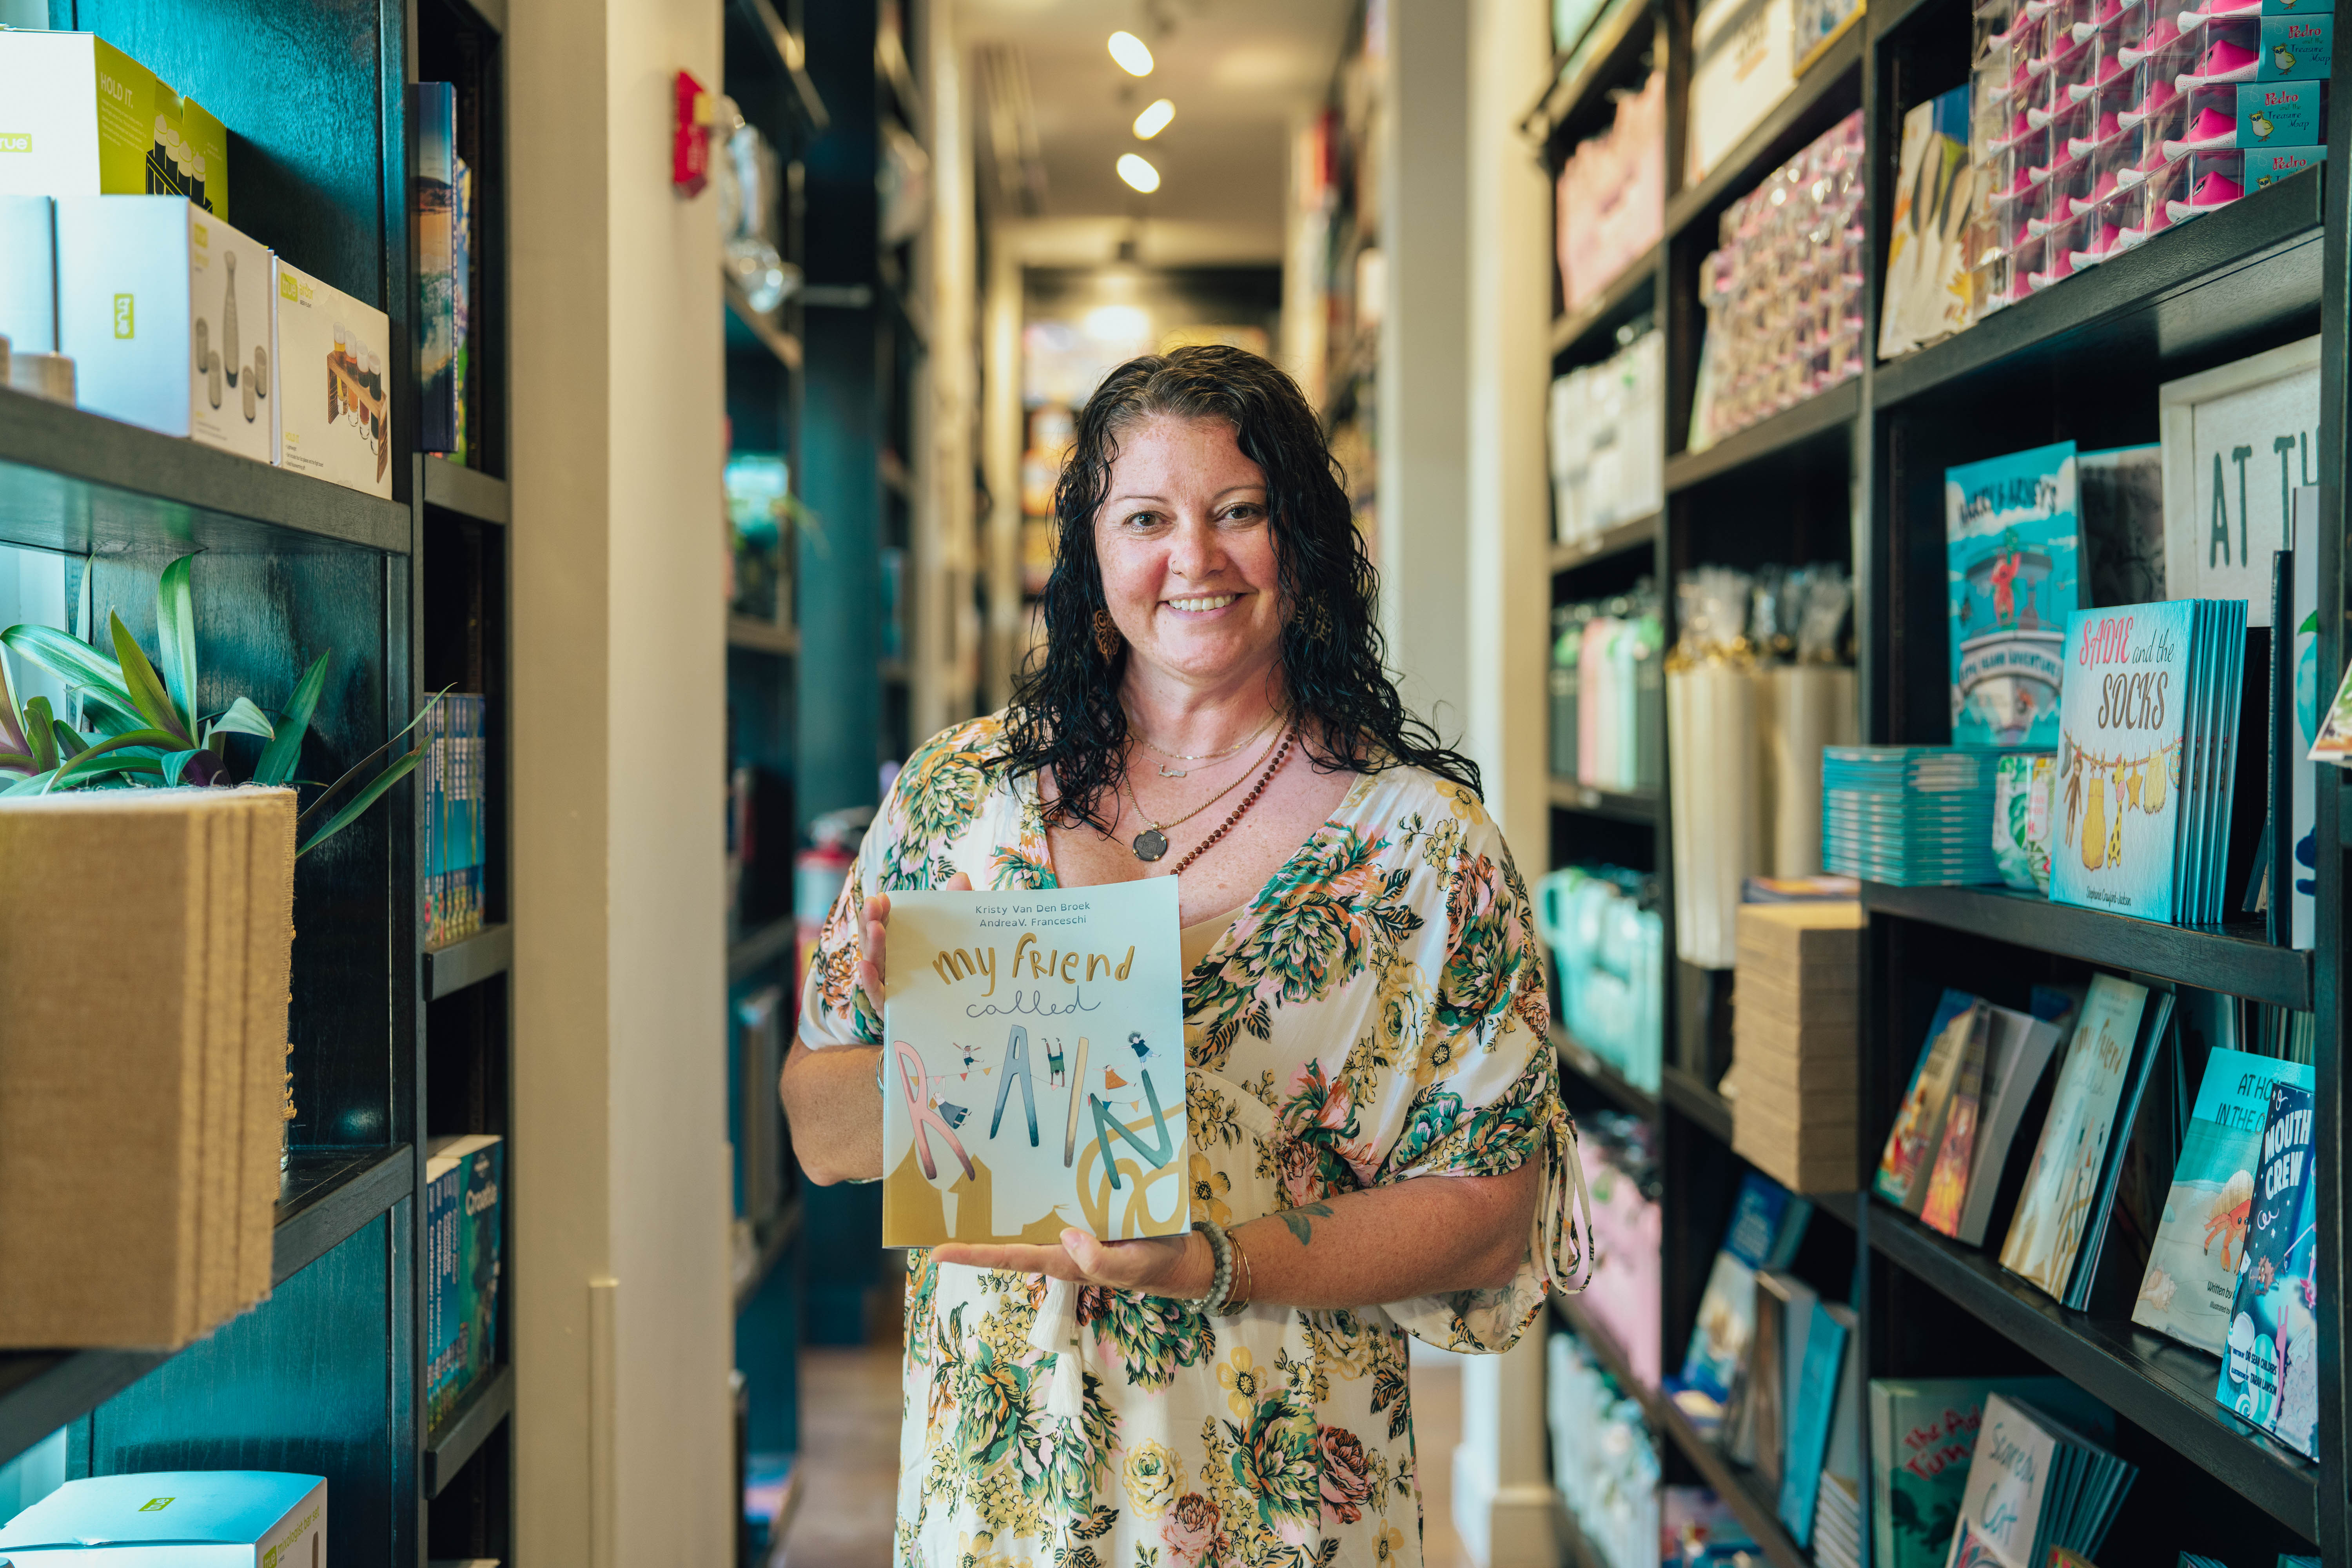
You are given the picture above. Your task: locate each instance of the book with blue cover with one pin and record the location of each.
(2012, 536)
(2270, 1371)
(1766, 1225)
(462, 1261)
(1811, 1404)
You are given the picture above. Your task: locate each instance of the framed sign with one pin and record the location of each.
(2239, 441)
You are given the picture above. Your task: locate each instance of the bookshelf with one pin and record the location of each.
(1854, 474)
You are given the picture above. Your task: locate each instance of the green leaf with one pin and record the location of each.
(82, 667)
(109, 767)
(357, 768)
(156, 740)
(174, 765)
(16, 761)
(284, 753)
(12, 739)
(175, 629)
(69, 743)
(37, 732)
(37, 784)
(365, 798)
(242, 717)
(146, 688)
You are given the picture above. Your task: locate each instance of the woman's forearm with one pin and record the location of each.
(1428, 1237)
(834, 1113)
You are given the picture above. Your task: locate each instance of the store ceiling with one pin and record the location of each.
(1239, 72)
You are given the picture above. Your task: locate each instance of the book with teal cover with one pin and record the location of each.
(1765, 1222)
(1810, 1406)
(2122, 759)
(2269, 1373)
(1923, 1439)
(2012, 536)
(2192, 1270)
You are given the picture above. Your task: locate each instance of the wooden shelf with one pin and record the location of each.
(756, 949)
(1626, 296)
(1618, 38)
(1824, 416)
(1629, 1095)
(449, 1446)
(1684, 1089)
(76, 482)
(762, 636)
(1619, 806)
(2235, 959)
(1636, 533)
(2163, 1387)
(448, 970)
(770, 336)
(329, 1195)
(1818, 99)
(781, 1231)
(468, 492)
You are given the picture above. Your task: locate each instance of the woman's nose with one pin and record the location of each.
(1195, 553)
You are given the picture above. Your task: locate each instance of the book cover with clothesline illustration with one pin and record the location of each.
(1034, 1066)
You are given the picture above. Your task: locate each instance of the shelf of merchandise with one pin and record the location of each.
(450, 970)
(2235, 959)
(2249, 265)
(1617, 40)
(2152, 1381)
(72, 480)
(781, 1231)
(762, 636)
(1628, 1095)
(774, 339)
(1626, 296)
(468, 492)
(329, 1195)
(449, 1446)
(1635, 533)
(1825, 415)
(1689, 1093)
(1618, 805)
(1828, 90)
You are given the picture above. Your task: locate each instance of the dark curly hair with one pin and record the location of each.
(1065, 713)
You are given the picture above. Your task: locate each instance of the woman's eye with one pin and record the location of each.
(1247, 512)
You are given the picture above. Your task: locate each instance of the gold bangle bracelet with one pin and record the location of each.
(1244, 1287)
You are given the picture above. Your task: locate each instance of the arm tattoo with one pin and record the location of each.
(1301, 1227)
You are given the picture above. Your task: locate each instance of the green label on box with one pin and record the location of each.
(124, 324)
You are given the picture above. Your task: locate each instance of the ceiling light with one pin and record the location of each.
(1154, 120)
(1138, 173)
(1133, 57)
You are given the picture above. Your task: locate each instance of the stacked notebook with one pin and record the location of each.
(145, 952)
(1913, 817)
(2036, 1485)
(1794, 1067)
(2146, 755)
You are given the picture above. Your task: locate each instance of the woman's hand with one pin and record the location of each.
(1181, 1267)
(873, 936)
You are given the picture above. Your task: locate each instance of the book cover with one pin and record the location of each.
(2110, 1199)
(2121, 494)
(432, 182)
(462, 1258)
(463, 390)
(2121, 756)
(1917, 1133)
(2047, 1229)
(1926, 295)
(1923, 1442)
(2010, 535)
(2009, 1477)
(1726, 1310)
(1035, 1057)
(2018, 1049)
(1812, 1402)
(1784, 1315)
(1948, 1182)
(2270, 1371)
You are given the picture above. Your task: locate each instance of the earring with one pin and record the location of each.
(1314, 620)
(1107, 641)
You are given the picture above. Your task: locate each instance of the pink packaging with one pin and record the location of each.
(1624, 1297)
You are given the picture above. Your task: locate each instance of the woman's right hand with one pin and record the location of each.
(874, 932)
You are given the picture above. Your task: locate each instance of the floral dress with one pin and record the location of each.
(1374, 1015)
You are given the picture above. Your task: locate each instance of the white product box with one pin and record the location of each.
(28, 274)
(81, 118)
(165, 311)
(174, 1519)
(334, 353)
(1742, 63)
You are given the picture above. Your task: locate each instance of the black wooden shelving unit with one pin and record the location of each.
(2081, 360)
(392, 1045)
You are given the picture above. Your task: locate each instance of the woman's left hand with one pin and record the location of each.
(1181, 1267)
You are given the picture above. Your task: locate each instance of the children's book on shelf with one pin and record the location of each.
(2017, 1046)
(2125, 1197)
(2270, 1371)
(1908, 1162)
(2300, 686)
(2011, 530)
(432, 201)
(1766, 1225)
(1837, 1507)
(455, 736)
(1784, 1320)
(2046, 1233)
(1034, 1058)
(462, 1180)
(1926, 295)
(2192, 1273)
(1923, 1437)
(2036, 1482)
(1812, 1401)
(1948, 1176)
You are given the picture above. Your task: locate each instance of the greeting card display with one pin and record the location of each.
(1034, 1066)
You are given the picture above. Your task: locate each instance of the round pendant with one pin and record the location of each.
(1151, 843)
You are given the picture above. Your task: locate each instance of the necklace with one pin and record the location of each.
(1168, 772)
(1248, 800)
(1152, 842)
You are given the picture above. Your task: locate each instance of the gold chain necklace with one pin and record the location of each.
(1152, 842)
(1168, 772)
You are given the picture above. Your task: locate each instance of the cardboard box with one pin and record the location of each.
(1810, 1005)
(28, 274)
(176, 1519)
(81, 118)
(165, 311)
(334, 420)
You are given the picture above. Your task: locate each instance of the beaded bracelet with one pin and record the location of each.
(1221, 1282)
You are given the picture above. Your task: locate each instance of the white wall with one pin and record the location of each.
(621, 1294)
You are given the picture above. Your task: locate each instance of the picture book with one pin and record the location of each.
(2018, 1047)
(1784, 1318)
(1837, 1509)
(2036, 1482)
(2121, 759)
(2110, 1200)
(1812, 1401)
(461, 1307)
(1947, 1180)
(2011, 536)
(1927, 293)
(433, 110)
(2193, 1271)
(1917, 1134)
(2269, 1373)
(2052, 1212)
(1766, 1223)
(1971, 1550)
(1035, 1061)
(1923, 1437)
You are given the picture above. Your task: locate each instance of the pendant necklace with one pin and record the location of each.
(1152, 842)
(1168, 772)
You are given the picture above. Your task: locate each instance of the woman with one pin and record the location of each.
(1364, 1006)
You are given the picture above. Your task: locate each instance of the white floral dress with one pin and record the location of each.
(1375, 1014)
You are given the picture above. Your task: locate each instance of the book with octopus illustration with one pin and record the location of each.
(1034, 1066)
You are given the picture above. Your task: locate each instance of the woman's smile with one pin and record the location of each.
(1201, 603)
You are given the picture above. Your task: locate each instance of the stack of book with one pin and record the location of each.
(2036, 1485)
(462, 1180)
(1794, 1074)
(1913, 817)
(454, 734)
(1924, 1439)
(146, 941)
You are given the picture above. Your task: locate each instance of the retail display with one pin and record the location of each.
(1783, 289)
(1608, 441)
(1812, 1402)
(2004, 1063)
(2037, 1482)
(1743, 61)
(1096, 1087)
(2269, 1369)
(463, 1259)
(1766, 1225)
(1628, 1231)
(140, 278)
(1837, 1507)
(1794, 1075)
(1925, 296)
(1607, 944)
(155, 1234)
(334, 421)
(1923, 1439)
(1607, 708)
(2011, 526)
(177, 1518)
(2020, 818)
(1909, 816)
(85, 119)
(452, 851)
(1611, 198)
(1602, 1461)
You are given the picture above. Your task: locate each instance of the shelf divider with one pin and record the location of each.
(457, 1439)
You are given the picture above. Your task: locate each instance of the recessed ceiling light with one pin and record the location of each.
(1138, 173)
(1133, 56)
(1154, 120)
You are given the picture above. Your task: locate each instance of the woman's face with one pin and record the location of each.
(1187, 552)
